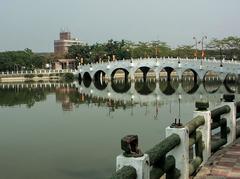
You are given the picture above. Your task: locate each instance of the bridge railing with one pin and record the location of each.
(35, 72)
(185, 148)
(165, 58)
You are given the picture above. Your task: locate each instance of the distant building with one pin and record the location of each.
(61, 46)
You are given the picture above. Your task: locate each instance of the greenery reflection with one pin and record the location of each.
(71, 98)
(25, 96)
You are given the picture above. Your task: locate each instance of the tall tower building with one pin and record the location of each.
(61, 46)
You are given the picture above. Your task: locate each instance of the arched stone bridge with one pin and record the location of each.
(199, 67)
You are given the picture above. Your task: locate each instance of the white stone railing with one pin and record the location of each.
(36, 72)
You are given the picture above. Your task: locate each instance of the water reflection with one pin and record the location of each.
(169, 87)
(116, 94)
(145, 87)
(30, 93)
(121, 86)
(22, 96)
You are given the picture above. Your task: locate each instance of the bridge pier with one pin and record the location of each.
(168, 76)
(195, 77)
(238, 78)
(157, 76)
(132, 76)
(222, 77)
(145, 71)
(125, 78)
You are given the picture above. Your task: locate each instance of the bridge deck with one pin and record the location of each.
(223, 164)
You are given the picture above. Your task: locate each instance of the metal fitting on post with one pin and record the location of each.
(176, 124)
(202, 105)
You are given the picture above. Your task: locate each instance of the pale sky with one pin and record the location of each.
(35, 24)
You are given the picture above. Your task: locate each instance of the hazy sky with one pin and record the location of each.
(35, 24)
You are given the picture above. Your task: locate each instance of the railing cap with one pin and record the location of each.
(202, 105)
(228, 97)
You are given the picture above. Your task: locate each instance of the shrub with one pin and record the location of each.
(29, 75)
(40, 75)
(68, 77)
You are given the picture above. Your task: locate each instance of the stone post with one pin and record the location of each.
(231, 116)
(180, 152)
(133, 157)
(141, 164)
(202, 110)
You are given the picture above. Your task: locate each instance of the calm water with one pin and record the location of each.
(74, 132)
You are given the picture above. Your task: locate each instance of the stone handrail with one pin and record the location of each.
(171, 155)
(36, 71)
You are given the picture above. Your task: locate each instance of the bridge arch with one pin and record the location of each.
(230, 82)
(211, 75)
(189, 73)
(146, 70)
(87, 79)
(99, 80)
(79, 77)
(231, 77)
(125, 72)
(169, 71)
(211, 81)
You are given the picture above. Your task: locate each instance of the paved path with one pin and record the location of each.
(223, 164)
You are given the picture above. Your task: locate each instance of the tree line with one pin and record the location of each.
(228, 48)
(21, 60)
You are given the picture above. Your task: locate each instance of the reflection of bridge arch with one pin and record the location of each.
(230, 87)
(167, 88)
(145, 88)
(214, 86)
(134, 96)
(123, 88)
(190, 87)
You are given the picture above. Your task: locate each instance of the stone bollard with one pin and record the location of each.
(202, 110)
(133, 157)
(231, 116)
(180, 152)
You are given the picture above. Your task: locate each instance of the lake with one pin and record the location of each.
(67, 131)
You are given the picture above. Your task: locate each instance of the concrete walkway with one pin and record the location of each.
(223, 164)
